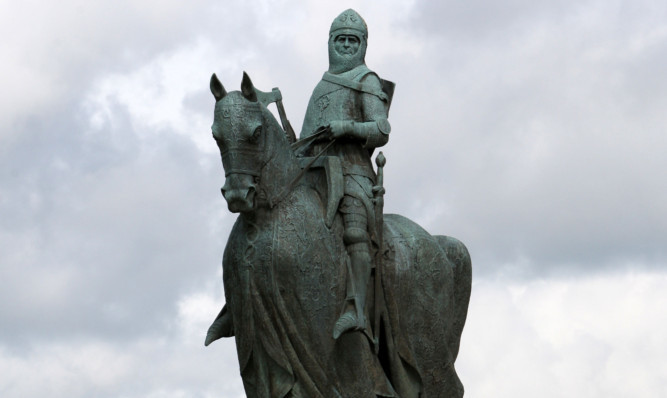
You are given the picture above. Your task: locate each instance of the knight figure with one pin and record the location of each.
(351, 103)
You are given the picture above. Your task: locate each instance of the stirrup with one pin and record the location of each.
(346, 323)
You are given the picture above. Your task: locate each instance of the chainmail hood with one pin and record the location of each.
(349, 22)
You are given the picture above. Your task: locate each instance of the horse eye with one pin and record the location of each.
(218, 141)
(255, 134)
(216, 137)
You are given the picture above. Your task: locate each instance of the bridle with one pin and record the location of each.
(244, 157)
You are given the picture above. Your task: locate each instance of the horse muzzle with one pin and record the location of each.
(239, 192)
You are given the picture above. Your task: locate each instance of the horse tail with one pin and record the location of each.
(458, 254)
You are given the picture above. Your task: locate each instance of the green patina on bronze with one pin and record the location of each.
(326, 296)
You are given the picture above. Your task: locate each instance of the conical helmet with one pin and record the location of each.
(349, 22)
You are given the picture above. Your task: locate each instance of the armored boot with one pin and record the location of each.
(360, 266)
(357, 244)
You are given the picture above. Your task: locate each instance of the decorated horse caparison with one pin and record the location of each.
(285, 270)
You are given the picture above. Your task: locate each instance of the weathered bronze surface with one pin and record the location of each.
(326, 295)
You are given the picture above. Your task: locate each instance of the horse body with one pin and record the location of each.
(284, 272)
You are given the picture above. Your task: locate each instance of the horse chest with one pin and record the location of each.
(248, 257)
(286, 253)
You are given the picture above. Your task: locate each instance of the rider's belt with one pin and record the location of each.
(355, 169)
(357, 86)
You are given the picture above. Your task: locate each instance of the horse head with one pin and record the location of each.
(255, 153)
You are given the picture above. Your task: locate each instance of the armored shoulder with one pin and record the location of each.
(376, 129)
(371, 79)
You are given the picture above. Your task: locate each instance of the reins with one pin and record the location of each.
(300, 144)
(297, 146)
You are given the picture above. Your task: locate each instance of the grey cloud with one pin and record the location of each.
(108, 228)
(541, 150)
(65, 47)
(481, 20)
(112, 236)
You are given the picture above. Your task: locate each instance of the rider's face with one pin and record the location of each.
(346, 44)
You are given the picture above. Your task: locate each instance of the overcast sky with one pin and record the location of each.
(535, 132)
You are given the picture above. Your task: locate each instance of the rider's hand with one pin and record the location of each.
(341, 128)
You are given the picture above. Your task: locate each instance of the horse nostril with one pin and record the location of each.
(251, 192)
(226, 187)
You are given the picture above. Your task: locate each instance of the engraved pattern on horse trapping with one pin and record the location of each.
(294, 227)
(252, 255)
(249, 252)
(235, 111)
(426, 317)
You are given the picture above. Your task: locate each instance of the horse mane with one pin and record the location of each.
(273, 124)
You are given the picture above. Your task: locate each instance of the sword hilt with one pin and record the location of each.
(378, 189)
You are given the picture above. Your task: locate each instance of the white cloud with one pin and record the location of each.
(170, 362)
(53, 48)
(596, 336)
(154, 93)
(593, 336)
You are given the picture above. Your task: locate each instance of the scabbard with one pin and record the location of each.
(379, 254)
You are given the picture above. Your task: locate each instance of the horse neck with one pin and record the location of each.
(282, 166)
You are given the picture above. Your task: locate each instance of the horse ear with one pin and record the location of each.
(217, 89)
(248, 89)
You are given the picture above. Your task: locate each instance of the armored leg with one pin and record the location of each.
(356, 241)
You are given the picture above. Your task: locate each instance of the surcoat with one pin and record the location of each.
(355, 95)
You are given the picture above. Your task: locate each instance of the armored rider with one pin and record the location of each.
(350, 101)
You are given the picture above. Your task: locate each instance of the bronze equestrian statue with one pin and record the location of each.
(311, 258)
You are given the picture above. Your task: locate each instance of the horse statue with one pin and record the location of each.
(284, 275)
